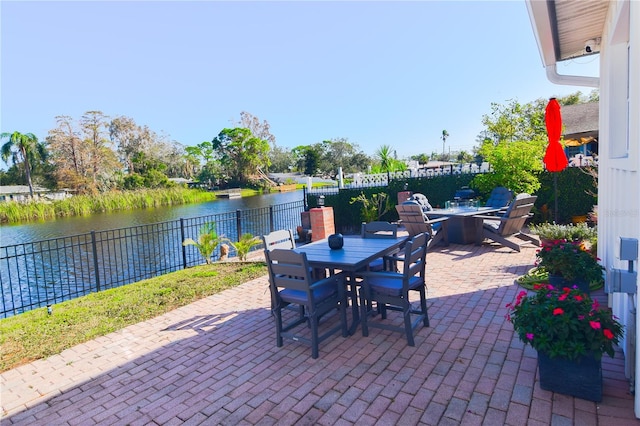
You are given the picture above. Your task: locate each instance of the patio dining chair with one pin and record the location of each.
(390, 291)
(281, 239)
(291, 283)
(378, 229)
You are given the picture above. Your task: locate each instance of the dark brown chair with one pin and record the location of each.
(291, 283)
(416, 222)
(501, 228)
(390, 291)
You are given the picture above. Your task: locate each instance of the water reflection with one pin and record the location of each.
(36, 231)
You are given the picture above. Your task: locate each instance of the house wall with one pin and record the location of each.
(619, 159)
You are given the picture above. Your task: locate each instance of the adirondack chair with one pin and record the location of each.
(501, 228)
(416, 222)
(499, 197)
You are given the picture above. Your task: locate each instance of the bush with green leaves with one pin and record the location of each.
(514, 164)
(372, 208)
(570, 232)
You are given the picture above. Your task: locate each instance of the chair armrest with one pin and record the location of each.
(339, 276)
(480, 216)
(438, 219)
(381, 274)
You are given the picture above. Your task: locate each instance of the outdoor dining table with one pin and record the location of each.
(355, 255)
(462, 224)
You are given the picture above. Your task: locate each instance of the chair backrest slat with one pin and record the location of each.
(281, 239)
(517, 214)
(415, 258)
(288, 269)
(412, 217)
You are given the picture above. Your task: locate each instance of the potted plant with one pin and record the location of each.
(571, 332)
(571, 262)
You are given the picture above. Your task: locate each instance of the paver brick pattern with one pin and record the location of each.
(215, 362)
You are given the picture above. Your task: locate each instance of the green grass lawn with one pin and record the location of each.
(35, 334)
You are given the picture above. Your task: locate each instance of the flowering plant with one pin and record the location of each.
(564, 323)
(571, 260)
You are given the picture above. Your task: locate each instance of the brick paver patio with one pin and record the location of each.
(215, 362)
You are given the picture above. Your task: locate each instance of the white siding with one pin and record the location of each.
(619, 160)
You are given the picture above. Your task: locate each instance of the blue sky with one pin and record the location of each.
(394, 73)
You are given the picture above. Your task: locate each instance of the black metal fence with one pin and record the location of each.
(42, 273)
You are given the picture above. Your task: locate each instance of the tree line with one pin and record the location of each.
(97, 153)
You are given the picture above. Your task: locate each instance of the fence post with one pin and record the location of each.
(304, 199)
(184, 249)
(94, 247)
(239, 223)
(271, 220)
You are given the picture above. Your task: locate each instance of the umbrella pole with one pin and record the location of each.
(555, 197)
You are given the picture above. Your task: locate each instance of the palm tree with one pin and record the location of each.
(207, 243)
(23, 148)
(386, 160)
(444, 137)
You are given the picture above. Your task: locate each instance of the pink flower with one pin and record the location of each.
(595, 325)
(530, 335)
(558, 311)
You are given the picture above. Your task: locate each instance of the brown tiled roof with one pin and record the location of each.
(580, 119)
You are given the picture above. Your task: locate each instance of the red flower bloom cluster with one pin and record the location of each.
(563, 322)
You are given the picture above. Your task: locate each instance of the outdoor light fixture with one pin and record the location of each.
(321, 201)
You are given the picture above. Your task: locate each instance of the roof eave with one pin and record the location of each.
(545, 30)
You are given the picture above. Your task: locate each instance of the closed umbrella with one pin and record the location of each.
(555, 160)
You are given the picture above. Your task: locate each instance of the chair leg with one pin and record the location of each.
(278, 317)
(314, 337)
(364, 300)
(423, 307)
(408, 328)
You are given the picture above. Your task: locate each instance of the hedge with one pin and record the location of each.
(575, 189)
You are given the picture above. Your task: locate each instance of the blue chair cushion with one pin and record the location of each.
(391, 286)
(300, 297)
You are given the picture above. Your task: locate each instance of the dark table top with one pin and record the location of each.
(356, 253)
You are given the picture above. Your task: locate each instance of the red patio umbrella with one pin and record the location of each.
(555, 160)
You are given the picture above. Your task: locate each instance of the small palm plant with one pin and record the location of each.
(207, 243)
(244, 245)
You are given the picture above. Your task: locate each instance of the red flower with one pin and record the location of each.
(608, 334)
(578, 298)
(558, 311)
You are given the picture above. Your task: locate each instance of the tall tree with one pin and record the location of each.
(241, 154)
(22, 149)
(515, 121)
(94, 124)
(281, 159)
(258, 129)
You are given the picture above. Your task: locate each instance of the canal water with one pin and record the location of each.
(62, 227)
